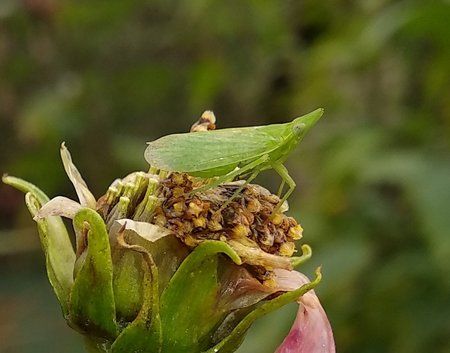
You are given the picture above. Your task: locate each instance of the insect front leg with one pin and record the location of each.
(284, 174)
(232, 175)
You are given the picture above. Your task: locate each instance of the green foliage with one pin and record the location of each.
(372, 193)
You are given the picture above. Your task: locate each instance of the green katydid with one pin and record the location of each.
(230, 153)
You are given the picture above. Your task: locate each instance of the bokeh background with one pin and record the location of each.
(373, 177)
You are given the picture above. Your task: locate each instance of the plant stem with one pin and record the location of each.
(95, 347)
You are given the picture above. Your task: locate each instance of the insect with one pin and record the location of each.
(229, 153)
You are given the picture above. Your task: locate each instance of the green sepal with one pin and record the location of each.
(189, 311)
(92, 307)
(127, 283)
(144, 334)
(306, 255)
(235, 338)
(55, 241)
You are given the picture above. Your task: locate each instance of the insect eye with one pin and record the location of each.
(299, 128)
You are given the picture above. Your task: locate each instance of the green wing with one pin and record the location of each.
(218, 150)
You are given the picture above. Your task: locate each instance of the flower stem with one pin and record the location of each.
(95, 347)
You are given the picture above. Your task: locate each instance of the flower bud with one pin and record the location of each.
(160, 268)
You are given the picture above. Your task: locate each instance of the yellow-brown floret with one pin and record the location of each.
(198, 216)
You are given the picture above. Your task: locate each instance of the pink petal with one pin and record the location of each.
(311, 332)
(287, 281)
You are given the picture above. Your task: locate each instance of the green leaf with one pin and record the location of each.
(59, 254)
(189, 309)
(92, 307)
(234, 340)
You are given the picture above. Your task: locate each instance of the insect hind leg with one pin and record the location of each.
(284, 174)
(280, 189)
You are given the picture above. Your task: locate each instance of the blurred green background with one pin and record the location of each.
(373, 177)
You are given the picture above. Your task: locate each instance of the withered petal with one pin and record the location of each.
(147, 231)
(84, 194)
(240, 289)
(59, 206)
(256, 256)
